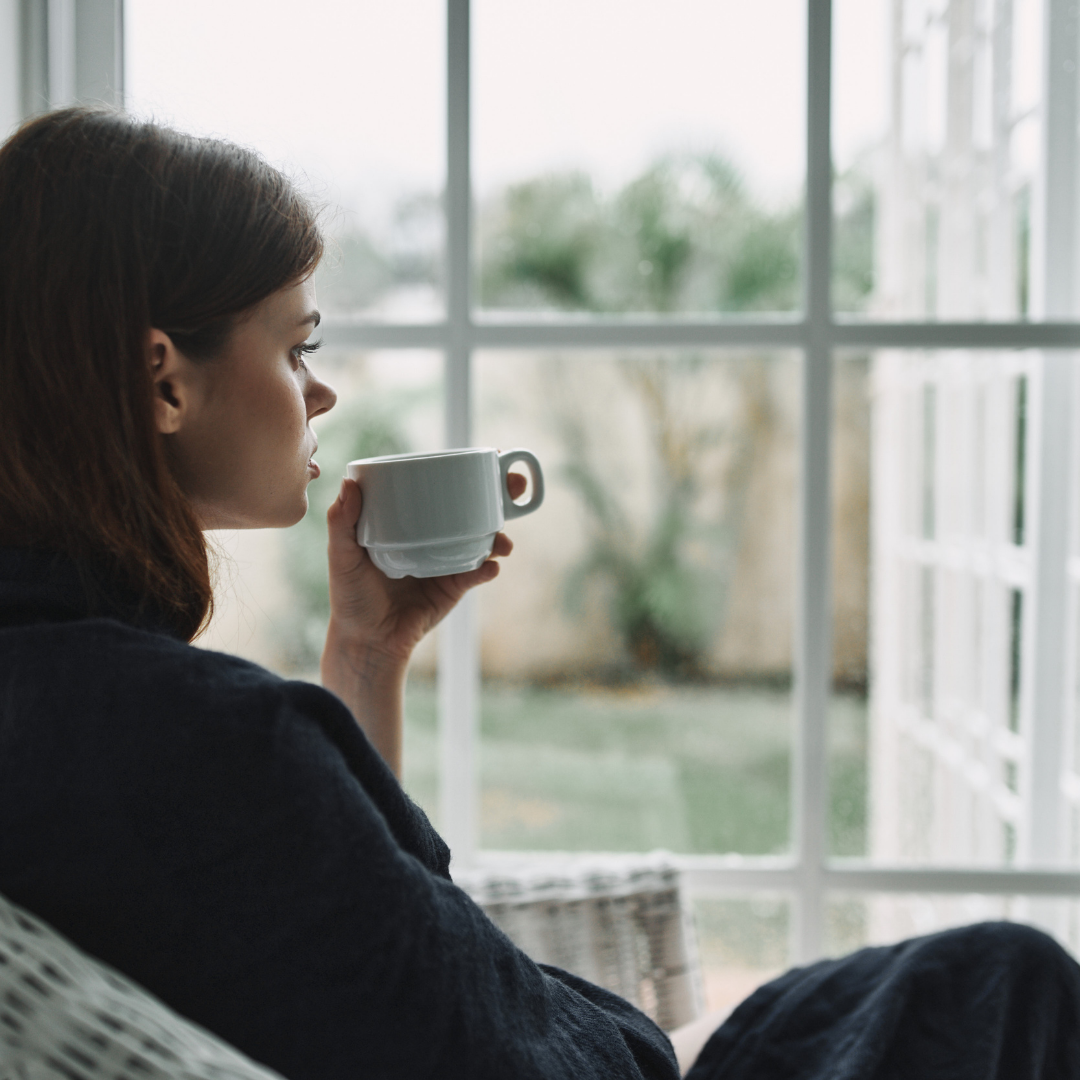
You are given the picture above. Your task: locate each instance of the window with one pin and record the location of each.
(803, 606)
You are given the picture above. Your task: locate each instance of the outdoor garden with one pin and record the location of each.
(636, 653)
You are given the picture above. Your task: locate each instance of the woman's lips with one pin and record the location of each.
(313, 465)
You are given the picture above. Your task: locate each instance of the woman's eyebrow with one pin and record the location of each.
(313, 317)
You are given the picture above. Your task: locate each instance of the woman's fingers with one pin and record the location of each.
(346, 555)
(485, 572)
(454, 586)
(341, 521)
(516, 484)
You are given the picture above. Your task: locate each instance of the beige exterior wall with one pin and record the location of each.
(535, 622)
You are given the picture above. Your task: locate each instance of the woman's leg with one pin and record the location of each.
(996, 1001)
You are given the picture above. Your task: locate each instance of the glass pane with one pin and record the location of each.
(636, 650)
(936, 132)
(11, 83)
(849, 714)
(271, 601)
(347, 95)
(855, 920)
(935, 585)
(639, 156)
(742, 943)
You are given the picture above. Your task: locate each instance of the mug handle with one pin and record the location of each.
(512, 509)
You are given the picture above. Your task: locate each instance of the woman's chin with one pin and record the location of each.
(277, 517)
(299, 511)
(287, 516)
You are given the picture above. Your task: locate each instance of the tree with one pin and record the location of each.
(682, 236)
(665, 558)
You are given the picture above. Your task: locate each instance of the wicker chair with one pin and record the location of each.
(615, 920)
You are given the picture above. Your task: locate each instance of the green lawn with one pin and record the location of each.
(691, 769)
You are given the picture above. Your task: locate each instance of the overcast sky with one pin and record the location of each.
(352, 93)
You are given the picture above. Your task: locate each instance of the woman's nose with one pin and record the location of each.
(322, 397)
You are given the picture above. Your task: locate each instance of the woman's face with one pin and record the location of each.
(236, 427)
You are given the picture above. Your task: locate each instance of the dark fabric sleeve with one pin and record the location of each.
(262, 872)
(408, 823)
(654, 1057)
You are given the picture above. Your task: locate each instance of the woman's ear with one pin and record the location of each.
(174, 383)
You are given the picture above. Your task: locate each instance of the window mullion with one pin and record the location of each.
(813, 638)
(458, 641)
(1053, 296)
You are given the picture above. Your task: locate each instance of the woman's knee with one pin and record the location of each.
(1019, 947)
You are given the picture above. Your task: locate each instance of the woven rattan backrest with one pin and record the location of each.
(66, 1016)
(615, 920)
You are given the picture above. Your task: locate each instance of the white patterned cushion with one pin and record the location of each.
(66, 1016)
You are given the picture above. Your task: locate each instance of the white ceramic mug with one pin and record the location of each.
(425, 515)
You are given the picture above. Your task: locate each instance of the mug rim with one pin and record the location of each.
(420, 455)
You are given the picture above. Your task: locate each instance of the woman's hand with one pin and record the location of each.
(376, 621)
(387, 615)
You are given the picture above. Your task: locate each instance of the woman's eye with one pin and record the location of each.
(306, 350)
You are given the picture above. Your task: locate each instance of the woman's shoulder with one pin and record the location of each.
(104, 692)
(95, 656)
(112, 712)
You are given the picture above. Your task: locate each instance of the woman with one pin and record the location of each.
(232, 841)
(237, 843)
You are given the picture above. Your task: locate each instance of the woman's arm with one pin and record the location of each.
(372, 685)
(376, 622)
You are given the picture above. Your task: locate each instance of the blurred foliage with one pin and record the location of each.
(544, 243)
(685, 235)
(667, 570)
(853, 240)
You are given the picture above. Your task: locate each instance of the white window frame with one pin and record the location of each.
(69, 51)
(79, 54)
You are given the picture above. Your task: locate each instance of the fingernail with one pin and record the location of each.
(341, 493)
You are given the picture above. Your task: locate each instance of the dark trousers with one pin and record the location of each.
(996, 1001)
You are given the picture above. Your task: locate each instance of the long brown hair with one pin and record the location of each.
(108, 227)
